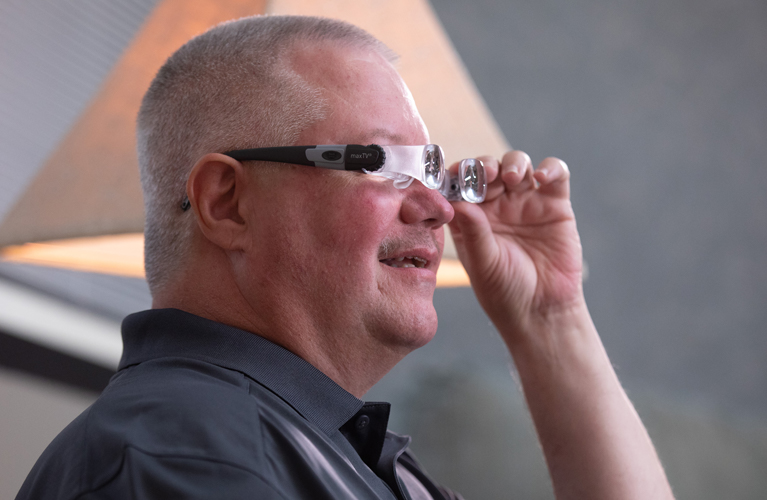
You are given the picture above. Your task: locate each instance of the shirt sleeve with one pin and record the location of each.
(147, 476)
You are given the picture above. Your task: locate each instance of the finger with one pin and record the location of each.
(491, 167)
(553, 176)
(517, 171)
(473, 235)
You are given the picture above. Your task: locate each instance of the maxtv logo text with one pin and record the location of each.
(361, 156)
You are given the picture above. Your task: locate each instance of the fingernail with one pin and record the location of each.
(544, 172)
(514, 168)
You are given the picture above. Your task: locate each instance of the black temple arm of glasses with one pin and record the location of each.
(291, 154)
(346, 157)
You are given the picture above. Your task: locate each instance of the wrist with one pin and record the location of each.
(548, 326)
(560, 346)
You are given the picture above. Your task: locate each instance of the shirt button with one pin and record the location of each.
(362, 422)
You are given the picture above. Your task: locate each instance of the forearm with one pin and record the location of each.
(594, 442)
(522, 251)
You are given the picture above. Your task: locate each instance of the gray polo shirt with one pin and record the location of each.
(199, 409)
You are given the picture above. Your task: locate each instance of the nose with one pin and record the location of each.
(424, 205)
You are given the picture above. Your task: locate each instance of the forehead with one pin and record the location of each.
(366, 99)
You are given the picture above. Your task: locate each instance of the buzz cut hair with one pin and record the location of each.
(228, 88)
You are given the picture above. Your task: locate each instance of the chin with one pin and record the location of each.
(424, 330)
(411, 332)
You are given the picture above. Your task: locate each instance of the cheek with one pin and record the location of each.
(342, 259)
(328, 232)
(359, 221)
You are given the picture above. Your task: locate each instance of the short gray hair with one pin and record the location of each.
(225, 89)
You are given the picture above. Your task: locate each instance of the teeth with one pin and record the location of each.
(406, 262)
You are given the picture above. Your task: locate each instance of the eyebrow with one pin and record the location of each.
(382, 133)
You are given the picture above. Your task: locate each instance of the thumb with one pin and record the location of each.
(473, 236)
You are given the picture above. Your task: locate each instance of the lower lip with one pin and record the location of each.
(423, 272)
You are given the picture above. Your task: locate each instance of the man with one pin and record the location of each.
(282, 293)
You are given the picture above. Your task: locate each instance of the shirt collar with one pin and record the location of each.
(160, 333)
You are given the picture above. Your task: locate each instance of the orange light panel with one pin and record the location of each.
(123, 255)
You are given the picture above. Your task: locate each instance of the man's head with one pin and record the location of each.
(318, 260)
(227, 88)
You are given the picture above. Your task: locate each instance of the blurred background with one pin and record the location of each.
(660, 110)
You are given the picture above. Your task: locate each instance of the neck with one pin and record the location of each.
(351, 357)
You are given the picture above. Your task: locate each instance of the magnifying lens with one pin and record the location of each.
(468, 184)
(405, 163)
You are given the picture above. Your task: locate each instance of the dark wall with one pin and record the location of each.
(34, 359)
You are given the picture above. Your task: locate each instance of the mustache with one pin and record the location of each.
(391, 246)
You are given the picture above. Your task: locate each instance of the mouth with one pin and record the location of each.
(407, 261)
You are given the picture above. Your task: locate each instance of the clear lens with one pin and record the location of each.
(471, 178)
(433, 166)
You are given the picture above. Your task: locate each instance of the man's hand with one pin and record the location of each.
(521, 247)
(523, 254)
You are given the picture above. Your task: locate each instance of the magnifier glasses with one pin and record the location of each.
(427, 164)
(402, 164)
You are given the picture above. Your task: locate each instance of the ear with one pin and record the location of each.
(215, 188)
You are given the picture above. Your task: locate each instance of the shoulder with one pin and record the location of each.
(181, 407)
(178, 414)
